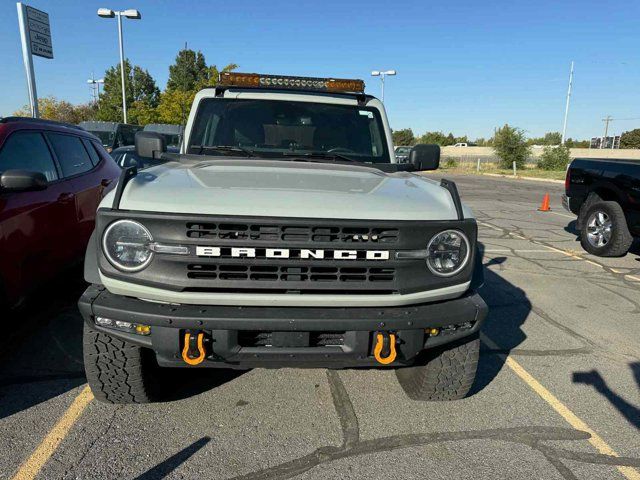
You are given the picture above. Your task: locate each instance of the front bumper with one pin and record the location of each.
(293, 333)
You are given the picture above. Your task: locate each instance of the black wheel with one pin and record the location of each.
(119, 372)
(446, 373)
(604, 231)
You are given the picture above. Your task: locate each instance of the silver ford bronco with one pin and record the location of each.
(284, 234)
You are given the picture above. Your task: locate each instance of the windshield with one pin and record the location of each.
(273, 128)
(105, 137)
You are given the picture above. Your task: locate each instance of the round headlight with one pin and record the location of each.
(448, 253)
(126, 245)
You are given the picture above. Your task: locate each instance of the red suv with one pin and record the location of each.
(52, 177)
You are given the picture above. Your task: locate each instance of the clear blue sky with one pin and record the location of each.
(463, 66)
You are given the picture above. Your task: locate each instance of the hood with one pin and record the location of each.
(286, 189)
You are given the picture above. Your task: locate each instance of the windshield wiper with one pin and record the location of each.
(224, 148)
(323, 156)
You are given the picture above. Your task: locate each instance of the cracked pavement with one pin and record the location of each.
(571, 320)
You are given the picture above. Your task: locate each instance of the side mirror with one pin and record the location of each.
(23, 180)
(425, 157)
(150, 144)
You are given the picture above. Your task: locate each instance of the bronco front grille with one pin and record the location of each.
(291, 233)
(266, 273)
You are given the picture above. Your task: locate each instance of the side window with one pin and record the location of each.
(95, 159)
(71, 154)
(28, 151)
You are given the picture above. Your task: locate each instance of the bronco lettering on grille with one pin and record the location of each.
(302, 253)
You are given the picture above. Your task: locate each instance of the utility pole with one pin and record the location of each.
(566, 109)
(606, 121)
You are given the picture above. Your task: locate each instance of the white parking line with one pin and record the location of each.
(572, 217)
(571, 418)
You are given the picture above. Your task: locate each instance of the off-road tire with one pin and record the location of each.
(119, 372)
(445, 373)
(621, 238)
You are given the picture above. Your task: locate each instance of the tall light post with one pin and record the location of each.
(381, 74)
(566, 108)
(95, 87)
(133, 15)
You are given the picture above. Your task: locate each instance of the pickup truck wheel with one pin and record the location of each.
(604, 231)
(447, 374)
(118, 372)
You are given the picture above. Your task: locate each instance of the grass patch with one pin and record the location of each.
(530, 170)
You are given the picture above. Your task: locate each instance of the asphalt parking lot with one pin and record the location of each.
(557, 395)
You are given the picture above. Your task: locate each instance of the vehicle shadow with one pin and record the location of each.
(629, 411)
(509, 308)
(163, 469)
(41, 356)
(41, 352)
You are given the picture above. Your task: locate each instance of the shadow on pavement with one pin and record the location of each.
(41, 356)
(184, 383)
(628, 411)
(509, 308)
(163, 469)
(41, 353)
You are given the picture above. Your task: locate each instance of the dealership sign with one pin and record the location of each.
(39, 32)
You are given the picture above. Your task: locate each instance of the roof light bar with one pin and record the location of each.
(256, 80)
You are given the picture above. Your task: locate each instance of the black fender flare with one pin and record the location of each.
(91, 273)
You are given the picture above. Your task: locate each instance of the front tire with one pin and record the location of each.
(118, 372)
(447, 372)
(604, 231)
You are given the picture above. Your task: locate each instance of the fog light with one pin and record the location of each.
(143, 329)
(104, 322)
(432, 331)
(123, 326)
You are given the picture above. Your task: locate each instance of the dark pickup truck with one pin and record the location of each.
(605, 194)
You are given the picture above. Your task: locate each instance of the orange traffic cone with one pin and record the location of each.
(545, 204)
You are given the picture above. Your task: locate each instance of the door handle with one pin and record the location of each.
(106, 182)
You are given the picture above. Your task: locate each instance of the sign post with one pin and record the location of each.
(35, 34)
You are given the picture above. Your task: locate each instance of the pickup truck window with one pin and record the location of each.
(273, 128)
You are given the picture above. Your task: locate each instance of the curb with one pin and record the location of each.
(535, 179)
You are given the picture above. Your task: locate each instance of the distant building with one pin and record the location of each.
(605, 142)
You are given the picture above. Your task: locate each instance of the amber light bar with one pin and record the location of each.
(256, 80)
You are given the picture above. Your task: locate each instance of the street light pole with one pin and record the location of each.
(566, 108)
(134, 15)
(382, 74)
(124, 94)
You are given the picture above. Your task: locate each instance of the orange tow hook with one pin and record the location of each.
(385, 350)
(193, 351)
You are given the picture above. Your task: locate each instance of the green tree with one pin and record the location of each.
(555, 157)
(437, 138)
(550, 138)
(571, 143)
(174, 106)
(187, 76)
(404, 137)
(50, 108)
(449, 140)
(630, 139)
(188, 72)
(510, 145)
(141, 92)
